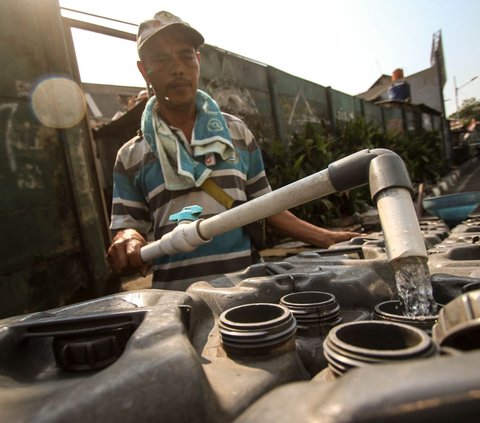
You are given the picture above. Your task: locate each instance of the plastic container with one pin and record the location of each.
(458, 324)
(392, 311)
(316, 313)
(313, 308)
(357, 344)
(453, 208)
(259, 328)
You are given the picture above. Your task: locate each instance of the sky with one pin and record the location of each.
(345, 44)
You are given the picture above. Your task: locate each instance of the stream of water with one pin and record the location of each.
(414, 287)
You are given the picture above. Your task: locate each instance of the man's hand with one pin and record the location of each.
(340, 236)
(123, 255)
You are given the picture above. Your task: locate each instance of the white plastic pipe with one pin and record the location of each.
(300, 192)
(402, 234)
(401, 231)
(183, 238)
(188, 236)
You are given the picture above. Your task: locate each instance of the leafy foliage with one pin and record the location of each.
(422, 153)
(305, 154)
(470, 110)
(314, 149)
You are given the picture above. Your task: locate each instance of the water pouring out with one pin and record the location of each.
(414, 287)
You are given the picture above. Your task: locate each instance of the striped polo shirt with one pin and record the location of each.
(141, 202)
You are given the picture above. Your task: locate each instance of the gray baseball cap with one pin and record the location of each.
(162, 20)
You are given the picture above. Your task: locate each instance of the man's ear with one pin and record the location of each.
(198, 56)
(142, 70)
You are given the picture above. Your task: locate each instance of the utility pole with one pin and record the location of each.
(459, 88)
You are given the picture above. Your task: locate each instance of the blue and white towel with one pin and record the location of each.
(210, 136)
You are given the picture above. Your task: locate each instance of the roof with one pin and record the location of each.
(377, 89)
(399, 103)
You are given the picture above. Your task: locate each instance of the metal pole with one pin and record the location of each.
(459, 88)
(456, 96)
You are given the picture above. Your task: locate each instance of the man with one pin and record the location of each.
(186, 140)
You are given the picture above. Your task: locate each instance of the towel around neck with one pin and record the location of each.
(210, 136)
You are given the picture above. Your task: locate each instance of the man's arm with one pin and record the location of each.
(289, 224)
(130, 216)
(123, 254)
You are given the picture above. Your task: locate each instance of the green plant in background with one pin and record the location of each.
(305, 154)
(314, 149)
(356, 135)
(422, 153)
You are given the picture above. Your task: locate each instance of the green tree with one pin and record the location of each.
(469, 110)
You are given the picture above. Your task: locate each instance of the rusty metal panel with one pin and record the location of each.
(38, 213)
(32, 45)
(52, 248)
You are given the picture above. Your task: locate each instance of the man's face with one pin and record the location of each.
(171, 64)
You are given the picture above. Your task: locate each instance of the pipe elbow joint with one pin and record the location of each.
(380, 167)
(388, 171)
(351, 171)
